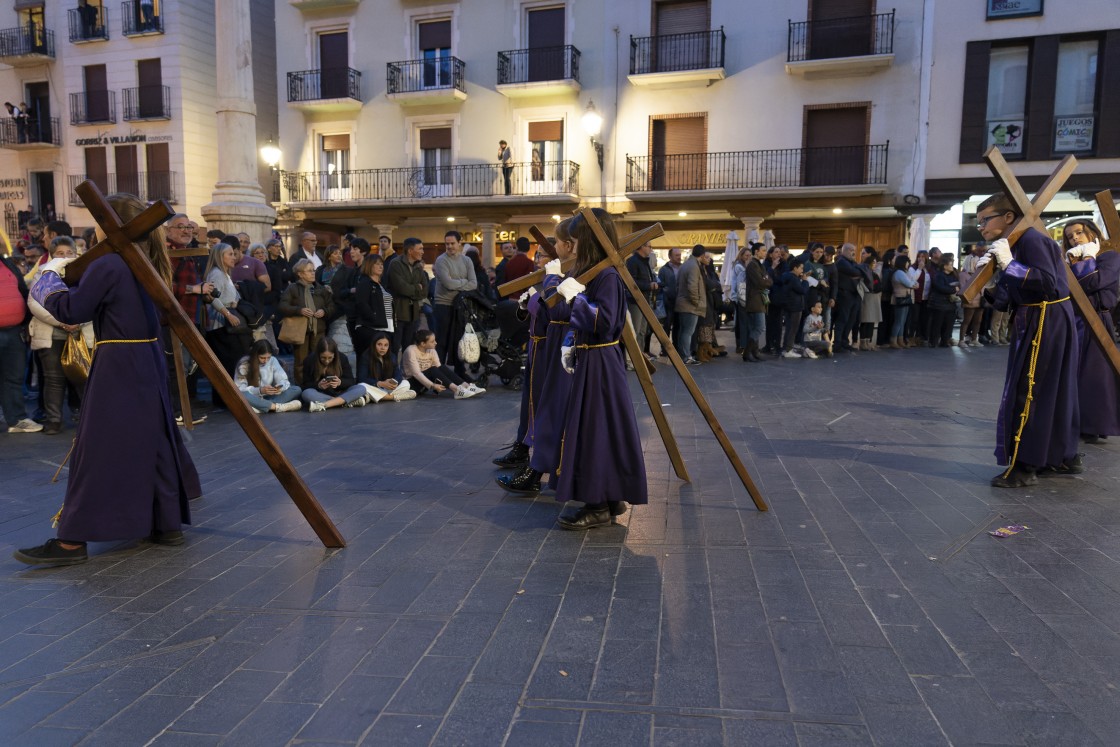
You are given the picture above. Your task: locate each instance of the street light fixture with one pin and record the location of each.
(271, 155)
(592, 123)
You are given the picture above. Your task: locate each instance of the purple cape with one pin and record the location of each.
(551, 404)
(600, 451)
(1097, 385)
(1048, 435)
(130, 473)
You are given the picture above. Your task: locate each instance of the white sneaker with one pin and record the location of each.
(476, 388)
(464, 393)
(810, 354)
(289, 406)
(790, 354)
(690, 361)
(259, 411)
(359, 402)
(407, 394)
(316, 407)
(25, 426)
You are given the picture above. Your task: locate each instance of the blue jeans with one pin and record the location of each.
(898, 326)
(755, 324)
(13, 365)
(351, 394)
(265, 402)
(686, 328)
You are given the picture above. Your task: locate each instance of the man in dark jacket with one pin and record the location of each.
(848, 297)
(758, 282)
(667, 279)
(638, 265)
(408, 284)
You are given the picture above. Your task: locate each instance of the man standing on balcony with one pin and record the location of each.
(454, 274)
(506, 158)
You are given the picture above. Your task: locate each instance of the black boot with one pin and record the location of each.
(588, 517)
(754, 352)
(527, 481)
(1017, 477)
(517, 456)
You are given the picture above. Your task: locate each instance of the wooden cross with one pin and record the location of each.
(615, 259)
(1111, 219)
(1031, 218)
(119, 238)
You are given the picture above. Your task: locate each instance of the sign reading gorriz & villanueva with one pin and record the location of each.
(134, 137)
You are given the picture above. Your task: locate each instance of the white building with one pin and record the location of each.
(717, 115)
(120, 96)
(1039, 81)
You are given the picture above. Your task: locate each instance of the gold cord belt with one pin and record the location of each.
(1036, 344)
(119, 342)
(600, 345)
(534, 338)
(1044, 304)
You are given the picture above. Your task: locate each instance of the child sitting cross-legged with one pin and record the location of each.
(263, 382)
(816, 340)
(425, 372)
(384, 382)
(330, 382)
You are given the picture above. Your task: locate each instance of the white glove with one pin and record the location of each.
(1073, 254)
(987, 258)
(1090, 249)
(812, 281)
(1001, 252)
(552, 268)
(570, 288)
(57, 266)
(568, 359)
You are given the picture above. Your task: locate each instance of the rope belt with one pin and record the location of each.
(555, 322)
(600, 345)
(120, 342)
(534, 338)
(1036, 345)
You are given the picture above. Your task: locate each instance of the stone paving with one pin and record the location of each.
(869, 606)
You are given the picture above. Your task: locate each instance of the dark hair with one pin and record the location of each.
(253, 366)
(411, 241)
(901, 261)
(458, 236)
(523, 245)
(830, 251)
(588, 251)
(59, 228)
(232, 239)
(422, 335)
(388, 238)
(1086, 225)
(869, 251)
(1000, 202)
(698, 250)
(814, 245)
(371, 261)
(334, 368)
(214, 233)
(360, 244)
(796, 262)
(381, 368)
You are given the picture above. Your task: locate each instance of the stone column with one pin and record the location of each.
(237, 203)
(751, 230)
(382, 229)
(487, 249)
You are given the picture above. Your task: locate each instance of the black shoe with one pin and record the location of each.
(1089, 438)
(52, 429)
(752, 351)
(517, 456)
(51, 552)
(587, 517)
(616, 508)
(167, 538)
(1016, 478)
(1069, 467)
(747, 357)
(527, 481)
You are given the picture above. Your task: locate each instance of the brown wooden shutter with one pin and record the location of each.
(127, 169)
(546, 28)
(825, 10)
(682, 17)
(439, 137)
(158, 159)
(546, 131)
(336, 142)
(974, 112)
(827, 128)
(1108, 69)
(1043, 71)
(686, 135)
(97, 169)
(833, 137)
(435, 35)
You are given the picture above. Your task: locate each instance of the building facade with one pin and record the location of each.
(122, 93)
(716, 115)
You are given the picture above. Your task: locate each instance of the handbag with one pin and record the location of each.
(469, 348)
(242, 328)
(76, 358)
(293, 330)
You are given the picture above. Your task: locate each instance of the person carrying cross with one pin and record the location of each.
(1038, 424)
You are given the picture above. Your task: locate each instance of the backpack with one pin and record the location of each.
(251, 304)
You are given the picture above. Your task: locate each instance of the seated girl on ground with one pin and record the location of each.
(385, 381)
(424, 371)
(262, 381)
(330, 382)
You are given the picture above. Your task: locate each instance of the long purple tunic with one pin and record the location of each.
(1097, 385)
(601, 452)
(551, 404)
(130, 473)
(1049, 434)
(532, 378)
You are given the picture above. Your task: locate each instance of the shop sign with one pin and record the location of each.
(1007, 135)
(475, 237)
(133, 137)
(1013, 8)
(689, 239)
(1073, 134)
(13, 189)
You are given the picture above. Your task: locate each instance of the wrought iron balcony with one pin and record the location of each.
(29, 44)
(309, 86)
(29, 134)
(837, 40)
(431, 79)
(673, 53)
(538, 65)
(147, 102)
(88, 24)
(759, 169)
(140, 19)
(93, 107)
(149, 186)
(548, 178)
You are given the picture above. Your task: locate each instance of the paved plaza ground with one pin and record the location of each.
(869, 606)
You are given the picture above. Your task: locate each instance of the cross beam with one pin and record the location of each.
(1111, 219)
(615, 259)
(119, 239)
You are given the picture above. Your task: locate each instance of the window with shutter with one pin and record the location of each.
(840, 28)
(683, 42)
(835, 146)
(678, 150)
(546, 151)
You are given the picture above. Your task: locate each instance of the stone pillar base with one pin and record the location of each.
(254, 219)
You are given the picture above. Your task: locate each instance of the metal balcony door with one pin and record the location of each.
(97, 170)
(546, 44)
(157, 159)
(149, 93)
(681, 53)
(836, 146)
(128, 170)
(437, 176)
(39, 128)
(678, 154)
(334, 65)
(336, 167)
(546, 159)
(434, 40)
(840, 28)
(96, 89)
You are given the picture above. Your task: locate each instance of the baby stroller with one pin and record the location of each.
(513, 336)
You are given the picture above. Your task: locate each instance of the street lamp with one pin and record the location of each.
(592, 123)
(271, 155)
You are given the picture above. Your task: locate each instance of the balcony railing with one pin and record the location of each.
(90, 23)
(93, 107)
(18, 133)
(417, 183)
(700, 50)
(538, 65)
(139, 19)
(147, 102)
(412, 76)
(147, 185)
(331, 83)
(759, 169)
(27, 40)
(841, 37)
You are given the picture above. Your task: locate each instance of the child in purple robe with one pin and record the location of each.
(600, 460)
(130, 474)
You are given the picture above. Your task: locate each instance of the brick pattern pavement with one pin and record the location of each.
(863, 609)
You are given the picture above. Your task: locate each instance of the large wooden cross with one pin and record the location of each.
(1111, 219)
(119, 238)
(1031, 217)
